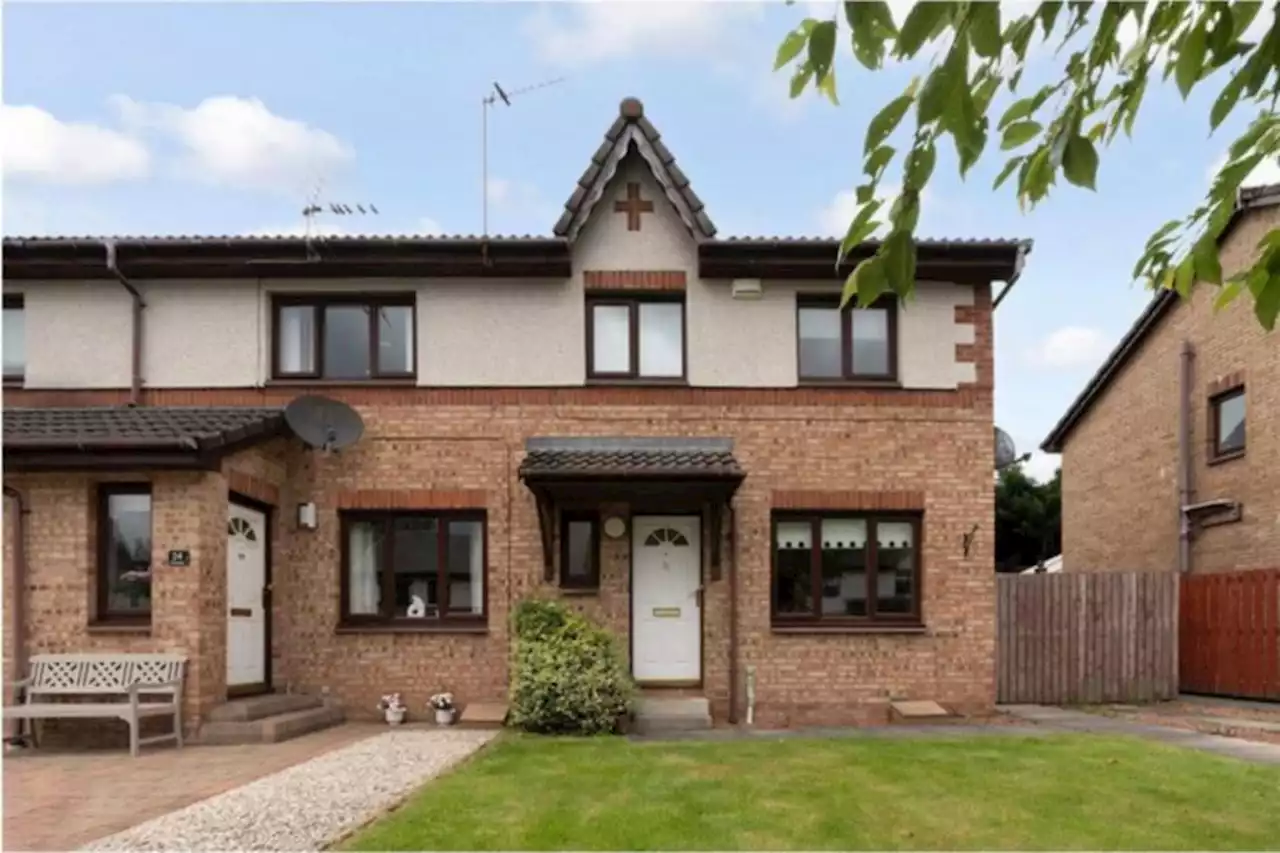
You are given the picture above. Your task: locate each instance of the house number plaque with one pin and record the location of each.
(180, 558)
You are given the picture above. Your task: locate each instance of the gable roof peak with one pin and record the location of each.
(632, 131)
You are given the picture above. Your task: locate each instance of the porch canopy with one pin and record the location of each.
(141, 437)
(651, 475)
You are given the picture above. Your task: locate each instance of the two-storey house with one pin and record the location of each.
(683, 435)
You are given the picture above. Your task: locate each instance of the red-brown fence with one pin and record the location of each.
(1087, 637)
(1229, 641)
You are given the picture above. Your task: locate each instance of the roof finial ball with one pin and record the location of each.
(631, 108)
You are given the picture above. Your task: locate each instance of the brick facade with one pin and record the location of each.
(830, 448)
(1120, 462)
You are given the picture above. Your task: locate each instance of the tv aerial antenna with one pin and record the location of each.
(489, 100)
(316, 207)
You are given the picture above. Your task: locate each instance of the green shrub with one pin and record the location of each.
(569, 677)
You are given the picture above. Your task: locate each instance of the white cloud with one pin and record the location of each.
(1070, 347)
(239, 142)
(518, 206)
(428, 227)
(1041, 466)
(40, 146)
(578, 34)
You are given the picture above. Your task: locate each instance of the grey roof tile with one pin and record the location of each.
(142, 427)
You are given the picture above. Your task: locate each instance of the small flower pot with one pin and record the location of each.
(445, 716)
(394, 716)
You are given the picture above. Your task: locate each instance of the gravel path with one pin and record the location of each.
(310, 805)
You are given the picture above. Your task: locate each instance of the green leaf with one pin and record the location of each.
(1184, 277)
(800, 79)
(919, 27)
(790, 48)
(943, 83)
(984, 29)
(886, 121)
(1208, 267)
(1048, 14)
(983, 93)
(867, 282)
(864, 193)
(1017, 110)
(877, 160)
(827, 86)
(1013, 163)
(1190, 62)
(1019, 133)
(1226, 102)
(1266, 304)
(871, 24)
(1228, 294)
(822, 47)
(1080, 162)
(905, 213)
(899, 253)
(1242, 15)
(862, 227)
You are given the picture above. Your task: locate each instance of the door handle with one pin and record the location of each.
(699, 595)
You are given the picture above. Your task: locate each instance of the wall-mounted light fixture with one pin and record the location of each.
(615, 527)
(307, 516)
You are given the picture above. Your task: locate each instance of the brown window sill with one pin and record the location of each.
(302, 381)
(579, 591)
(1226, 457)
(850, 629)
(595, 381)
(119, 627)
(399, 628)
(887, 384)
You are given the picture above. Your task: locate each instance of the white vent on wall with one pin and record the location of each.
(747, 288)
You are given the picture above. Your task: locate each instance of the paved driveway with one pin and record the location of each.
(62, 800)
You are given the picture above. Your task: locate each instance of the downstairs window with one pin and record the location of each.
(846, 569)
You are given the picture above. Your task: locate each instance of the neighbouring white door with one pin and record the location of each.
(666, 617)
(246, 581)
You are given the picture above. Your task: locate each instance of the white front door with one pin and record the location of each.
(246, 582)
(666, 617)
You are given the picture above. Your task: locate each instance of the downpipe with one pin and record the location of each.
(135, 384)
(18, 614)
(1186, 472)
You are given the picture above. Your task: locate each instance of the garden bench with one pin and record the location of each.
(113, 684)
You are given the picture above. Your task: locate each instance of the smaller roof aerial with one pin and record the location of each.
(1006, 450)
(324, 424)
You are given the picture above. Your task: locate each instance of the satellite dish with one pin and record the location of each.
(323, 423)
(1006, 450)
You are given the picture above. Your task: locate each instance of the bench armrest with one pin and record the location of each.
(21, 682)
(160, 686)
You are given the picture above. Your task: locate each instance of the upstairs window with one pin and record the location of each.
(344, 337)
(850, 344)
(635, 338)
(15, 339)
(1226, 417)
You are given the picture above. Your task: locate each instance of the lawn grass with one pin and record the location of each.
(1061, 792)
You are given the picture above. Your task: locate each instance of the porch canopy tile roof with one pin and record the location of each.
(174, 436)
(676, 458)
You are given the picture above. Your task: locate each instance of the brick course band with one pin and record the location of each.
(253, 487)
(849, 500)
(635, 279)
(1229, 382)
(412, 499)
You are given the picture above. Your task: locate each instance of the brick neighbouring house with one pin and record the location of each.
(631, 369)
(1120, 439)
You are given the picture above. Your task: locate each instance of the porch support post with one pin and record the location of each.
(713, 512)
(547, 528)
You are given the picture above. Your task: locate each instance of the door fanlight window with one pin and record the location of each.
(666, 536)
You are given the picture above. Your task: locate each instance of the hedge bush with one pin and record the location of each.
(568, 676)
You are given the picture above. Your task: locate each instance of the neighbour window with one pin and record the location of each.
(580, 552)
(846, 568)
(1227, 423)
(415, 568)
(344, 337)
(635, 338)
(854, 343)
(124, 552)
(15, 338)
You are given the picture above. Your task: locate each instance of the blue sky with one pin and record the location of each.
(222, 119)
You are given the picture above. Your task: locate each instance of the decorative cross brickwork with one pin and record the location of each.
(633, 206)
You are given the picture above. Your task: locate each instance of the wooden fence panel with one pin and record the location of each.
(1230, 634)
(1086, 638)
